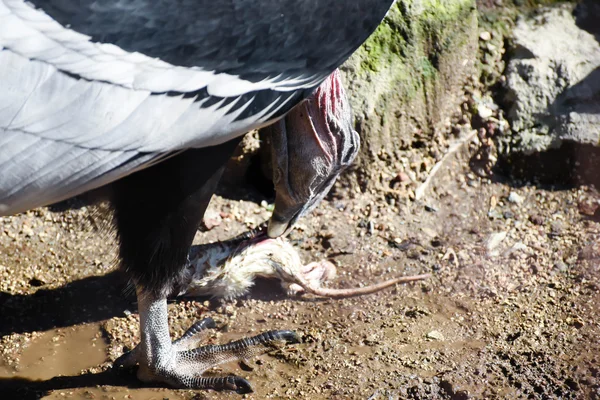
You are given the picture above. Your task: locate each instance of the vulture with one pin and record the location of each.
(145, 100)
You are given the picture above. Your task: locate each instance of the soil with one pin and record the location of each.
(511, 309)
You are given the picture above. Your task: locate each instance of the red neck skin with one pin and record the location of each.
(328, 104)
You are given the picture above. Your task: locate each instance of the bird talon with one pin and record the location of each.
(127, 360)
(242, 386)
(181, 363)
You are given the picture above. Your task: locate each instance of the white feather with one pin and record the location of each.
(61, 136)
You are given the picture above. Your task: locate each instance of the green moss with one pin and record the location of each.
(404, 78)
(389, 47)
(436, 12)
(386, 44)
(413, 30)
(426, 68)
(404, 56)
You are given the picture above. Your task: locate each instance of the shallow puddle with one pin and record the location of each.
(65, 351)
(68, 352)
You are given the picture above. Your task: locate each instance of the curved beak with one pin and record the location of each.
(278, 227)
(310, 147)
(283, 219)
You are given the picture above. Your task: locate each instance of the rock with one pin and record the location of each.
(429, 232)
(517, 247)
(27, 231)
(495, 214)
(560, 266)
(514, 197)
(484, 112)
(485, 36)
(241, 160)
(588, 206)
(435, 335)
(494, 241)
(211, 220)
(508, 214)
(537, 219)
(557, 227)
(553, 83)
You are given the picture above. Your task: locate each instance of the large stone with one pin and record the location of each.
(553, 83)
(407, 79)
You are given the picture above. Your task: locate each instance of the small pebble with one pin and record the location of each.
(515, 198)
(403, 177)
(484, 112)
(557, 228)
(537, 219)
(430, 208)
(495, 214)
(495, 239)
(560, 266)
(435, 335)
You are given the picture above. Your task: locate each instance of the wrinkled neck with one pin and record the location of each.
(330, 96)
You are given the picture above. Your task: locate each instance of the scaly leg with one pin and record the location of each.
(157, 213)
(178, 364)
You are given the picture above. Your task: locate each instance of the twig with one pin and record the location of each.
(420, 192)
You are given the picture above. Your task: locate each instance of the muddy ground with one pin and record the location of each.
(511, 309)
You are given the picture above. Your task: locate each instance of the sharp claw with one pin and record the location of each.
(232, 382)
(125, 361)
(185, 366)
(290, 337)
(210, 323)
(194, 334)
(206, 323)
(242, 386)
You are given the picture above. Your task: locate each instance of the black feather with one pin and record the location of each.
(252, 39)
(158, 210)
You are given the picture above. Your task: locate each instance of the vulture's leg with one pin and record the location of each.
(157, 213)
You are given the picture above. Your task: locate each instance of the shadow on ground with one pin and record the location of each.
(88, 300)
(108, 384)
(94, 299)
(25, 389)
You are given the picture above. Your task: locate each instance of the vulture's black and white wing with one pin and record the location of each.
(93, 90)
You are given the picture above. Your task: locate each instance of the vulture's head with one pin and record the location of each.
(311, 146)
